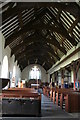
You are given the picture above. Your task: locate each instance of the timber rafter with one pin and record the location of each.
(40, 32)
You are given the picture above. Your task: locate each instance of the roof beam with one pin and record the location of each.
(20, 19)
(5, 4)
(36, 38)
(34, 50)
(37, 52)
(33, 57)
(25, 42)
(27, 27)
(39, 46)
(54, 42)
(73, 25)
(16, 10)
(65, 6)
(62, 29)
(40, 58)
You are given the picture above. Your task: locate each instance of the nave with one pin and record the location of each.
(40, 49)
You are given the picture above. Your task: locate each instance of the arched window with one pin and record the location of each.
(4, 71)
(14, 71)
(35, 73)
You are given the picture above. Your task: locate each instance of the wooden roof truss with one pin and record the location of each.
(40, 32)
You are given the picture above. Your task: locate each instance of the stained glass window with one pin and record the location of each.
(35, 73)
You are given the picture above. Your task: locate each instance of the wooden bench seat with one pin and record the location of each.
(25, 101)
(71, 100)
(67, 99)
(20, 95)
(46, 91)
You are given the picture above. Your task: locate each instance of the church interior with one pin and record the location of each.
(40, 60)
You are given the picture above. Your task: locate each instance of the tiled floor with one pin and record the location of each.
(49, 111)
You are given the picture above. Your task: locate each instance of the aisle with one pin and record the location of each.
(49, 111)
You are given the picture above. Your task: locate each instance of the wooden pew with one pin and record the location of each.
(54, 96)
(71, 101)
(21, 89)
(57, 93)
(46, 91)
(68, 98)
(28, 101)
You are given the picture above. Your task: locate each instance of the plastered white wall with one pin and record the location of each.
(0, 51)
(11, 63)
(25, 73)
(72, 77)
